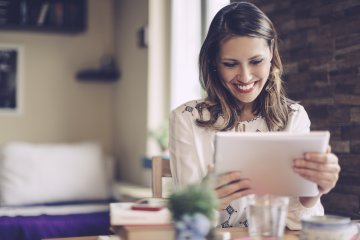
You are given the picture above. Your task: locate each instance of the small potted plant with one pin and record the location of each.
(193, 211)
(161, 136)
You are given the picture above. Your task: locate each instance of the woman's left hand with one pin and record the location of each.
(321, 168)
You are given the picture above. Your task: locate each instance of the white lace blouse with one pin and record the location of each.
(191, 151)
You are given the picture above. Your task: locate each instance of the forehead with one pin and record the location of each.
(243, 47)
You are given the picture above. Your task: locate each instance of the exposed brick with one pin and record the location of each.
(347, 177)
(349, 49)
(357, 88)
(353, 100)
(344, 72)
(349, 58)
(344, 202)
(307, 23)
(321, 52)
(287, 25)
(347, 41)
(351, 132)
(344, 88)
(351, 79)
(331, 18)
(350, 163)
(290, 67)
(316, 111)
(335, 132)
(355, 149)
(346, 5)
(318, 92)
(325, 9)
(355, 115)
(354, 11)
(268, 8)
(348, 189)
(340, 146)
(339, 116)
(346, 26)
(319, 101)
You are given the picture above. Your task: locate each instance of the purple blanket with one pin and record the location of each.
(54, 226)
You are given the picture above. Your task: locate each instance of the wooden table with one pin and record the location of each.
(236, 233)
(241, 233)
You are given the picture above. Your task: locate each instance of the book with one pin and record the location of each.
(127, 213)
(42, 14)
(141, 232)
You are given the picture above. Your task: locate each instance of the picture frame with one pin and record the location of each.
(11, 79)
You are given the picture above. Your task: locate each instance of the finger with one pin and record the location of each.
(321, 157)
(328, 149)
(210, 168)
(323, 183)
(324, 186)
(316, 176)
(225, 202)
(321, 167)
(229, 189)
(226, 178)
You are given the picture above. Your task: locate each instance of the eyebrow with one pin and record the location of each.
(252, 58)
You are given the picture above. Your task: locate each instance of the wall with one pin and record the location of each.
(132, 90)
(321, 51)
(58, 108)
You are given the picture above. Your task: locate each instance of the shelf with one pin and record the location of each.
(62, 16)
(98, 75)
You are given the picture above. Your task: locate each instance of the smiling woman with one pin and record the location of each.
(240, 70)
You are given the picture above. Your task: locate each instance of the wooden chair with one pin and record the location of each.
(160, 169)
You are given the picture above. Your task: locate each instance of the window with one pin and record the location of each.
(189, 18)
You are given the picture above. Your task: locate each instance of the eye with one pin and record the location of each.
(256, 61)
(229, 64)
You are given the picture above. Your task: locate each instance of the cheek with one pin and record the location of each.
(226, 75)
(263, 71)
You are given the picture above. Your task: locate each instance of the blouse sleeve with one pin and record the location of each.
(300, 122)
(184, 162)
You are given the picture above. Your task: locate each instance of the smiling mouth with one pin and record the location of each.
(245, 88)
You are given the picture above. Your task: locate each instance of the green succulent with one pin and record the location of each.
(161, 136)
(195, 198)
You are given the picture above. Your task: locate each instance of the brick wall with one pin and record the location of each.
(320, 49)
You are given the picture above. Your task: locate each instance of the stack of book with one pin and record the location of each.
(141, 221)
(9, 12)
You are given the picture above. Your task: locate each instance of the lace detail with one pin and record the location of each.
(241, 126)
(251, 120)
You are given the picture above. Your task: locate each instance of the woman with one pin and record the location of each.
(240, 70)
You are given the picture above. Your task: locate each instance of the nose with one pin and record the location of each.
(244, 74)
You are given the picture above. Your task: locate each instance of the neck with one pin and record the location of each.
(246, 113)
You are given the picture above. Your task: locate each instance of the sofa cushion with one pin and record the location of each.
(41, 173)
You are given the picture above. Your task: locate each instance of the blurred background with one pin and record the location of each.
(110, 71)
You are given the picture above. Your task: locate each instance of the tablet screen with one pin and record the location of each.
(266, 158)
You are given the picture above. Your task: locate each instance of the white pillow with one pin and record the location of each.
(38, 173)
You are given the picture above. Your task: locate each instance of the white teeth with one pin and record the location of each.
(246, 87)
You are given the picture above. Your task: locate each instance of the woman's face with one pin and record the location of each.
(244, 66)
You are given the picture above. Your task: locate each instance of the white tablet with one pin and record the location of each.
(267, 159)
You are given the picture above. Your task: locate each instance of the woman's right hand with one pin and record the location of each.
(230, 186)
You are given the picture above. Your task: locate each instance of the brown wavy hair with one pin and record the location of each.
(233, 20)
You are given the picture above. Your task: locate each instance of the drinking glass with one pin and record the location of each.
(266, 216)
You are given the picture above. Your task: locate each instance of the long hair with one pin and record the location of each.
(241, 19)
